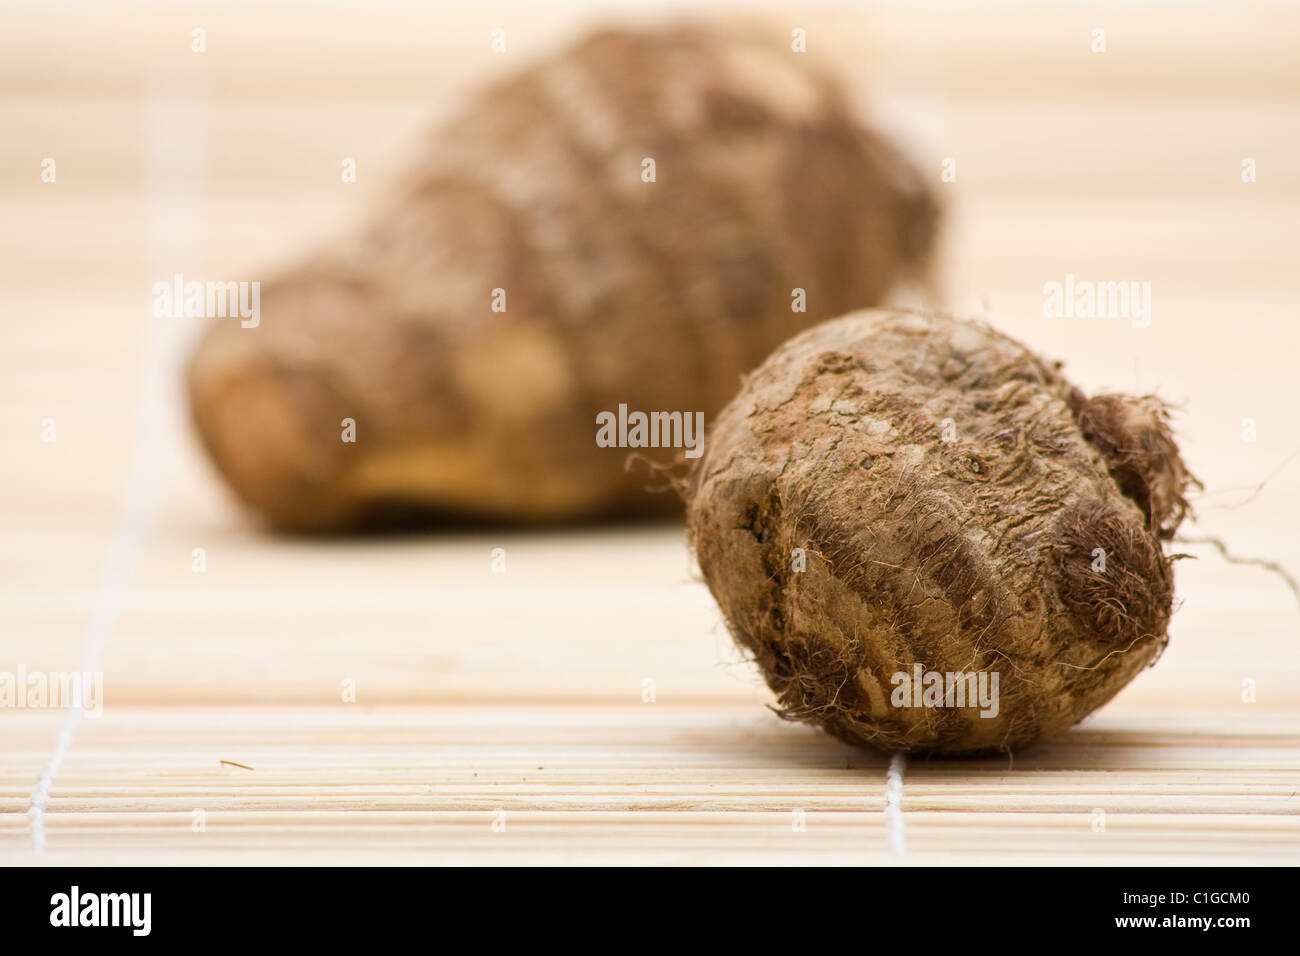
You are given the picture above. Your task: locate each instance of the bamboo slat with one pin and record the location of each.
(517, 698)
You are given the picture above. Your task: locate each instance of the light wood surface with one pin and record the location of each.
(522, 691)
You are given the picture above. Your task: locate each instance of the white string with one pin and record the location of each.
(123, 555)
(146, 487)
(894, 804)
(175, 127)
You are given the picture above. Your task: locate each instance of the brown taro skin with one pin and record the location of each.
(949, 490)
(657, 295)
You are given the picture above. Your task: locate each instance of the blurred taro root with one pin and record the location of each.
(654, 286)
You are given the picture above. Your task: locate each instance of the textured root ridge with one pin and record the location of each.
(1114, 578)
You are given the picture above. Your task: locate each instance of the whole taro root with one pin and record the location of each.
(657, 295)
(954, 503)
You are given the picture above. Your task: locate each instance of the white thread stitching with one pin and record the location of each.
(894, 804)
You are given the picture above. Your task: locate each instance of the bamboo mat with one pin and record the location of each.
(503, 717)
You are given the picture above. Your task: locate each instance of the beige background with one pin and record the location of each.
(522, 691)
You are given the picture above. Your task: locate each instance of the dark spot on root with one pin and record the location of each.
(1134, 437)
(1114, 578)
(836, 362)
(812, 680)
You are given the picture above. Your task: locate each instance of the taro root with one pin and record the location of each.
(626, 223)
(929, 540)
